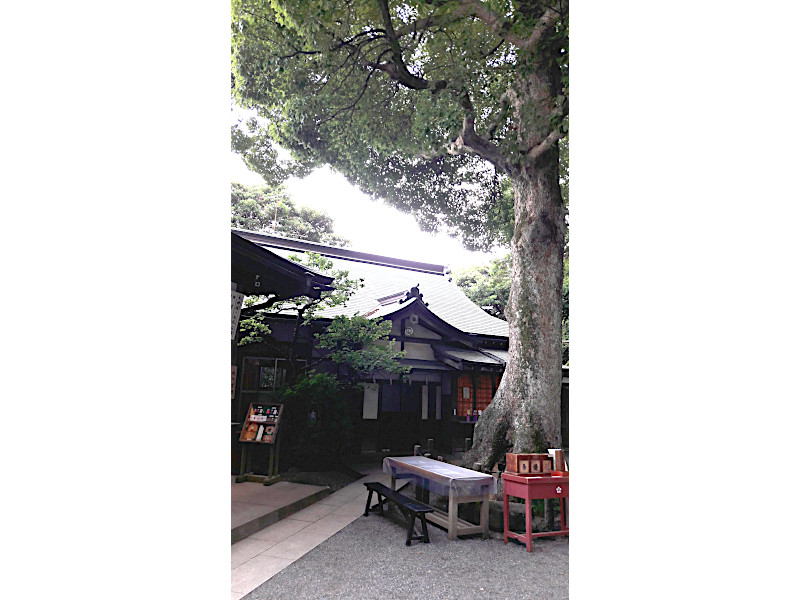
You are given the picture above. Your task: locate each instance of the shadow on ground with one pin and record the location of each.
(334, 479)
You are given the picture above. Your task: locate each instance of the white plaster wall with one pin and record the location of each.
(396, 327)
(419, 351)
(420, 331)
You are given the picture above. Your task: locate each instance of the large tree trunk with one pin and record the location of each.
(525, 414)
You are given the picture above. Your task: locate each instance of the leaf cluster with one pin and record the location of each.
(253, 330)
(361, 345)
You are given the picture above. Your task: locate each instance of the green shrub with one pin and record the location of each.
(321, 424)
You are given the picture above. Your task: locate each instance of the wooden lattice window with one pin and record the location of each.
(483, 395)
(470, 398)
(464, 396)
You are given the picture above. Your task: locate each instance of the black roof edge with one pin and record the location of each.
(337, 252)
(317, 277)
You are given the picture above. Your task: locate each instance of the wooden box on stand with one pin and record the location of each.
(528, 464)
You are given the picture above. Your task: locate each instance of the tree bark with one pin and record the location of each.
(525, 413)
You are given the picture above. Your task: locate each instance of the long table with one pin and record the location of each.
(457, 483)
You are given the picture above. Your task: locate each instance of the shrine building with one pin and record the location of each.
(456, 351)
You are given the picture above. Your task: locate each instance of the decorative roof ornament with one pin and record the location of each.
(414, 293)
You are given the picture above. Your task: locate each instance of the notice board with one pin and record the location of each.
(261, 424)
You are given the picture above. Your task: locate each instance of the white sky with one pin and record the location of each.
(370, 226)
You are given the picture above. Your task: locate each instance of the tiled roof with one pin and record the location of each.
(384, 276)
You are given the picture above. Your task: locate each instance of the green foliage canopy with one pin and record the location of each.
(269, 209)
(260, 154)
(416, 102)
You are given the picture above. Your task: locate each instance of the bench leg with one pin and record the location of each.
(380, 500)
(424, 528)
(369, 499)
(410, 535)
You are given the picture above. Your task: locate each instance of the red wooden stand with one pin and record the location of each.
(530, 488)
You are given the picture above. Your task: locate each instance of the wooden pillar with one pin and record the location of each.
(474, 391)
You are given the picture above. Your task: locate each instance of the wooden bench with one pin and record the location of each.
(410, 508)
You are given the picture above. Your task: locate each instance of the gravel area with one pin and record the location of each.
(368, 559)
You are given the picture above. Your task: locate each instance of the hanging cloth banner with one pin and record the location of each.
(236, 310)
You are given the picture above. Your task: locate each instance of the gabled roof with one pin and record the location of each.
(385, 277)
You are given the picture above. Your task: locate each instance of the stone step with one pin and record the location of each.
(256, 506)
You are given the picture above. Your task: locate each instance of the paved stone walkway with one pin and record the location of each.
(263, 554)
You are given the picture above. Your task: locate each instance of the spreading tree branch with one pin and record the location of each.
(352, 105)
(397, 69)
(298, 52)
(547, 20)
(250, 310)
(558, 116)
(545, 144)
(502, 27)
(470, 140)
(495, 23)
(433, 21)
(505, 104)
